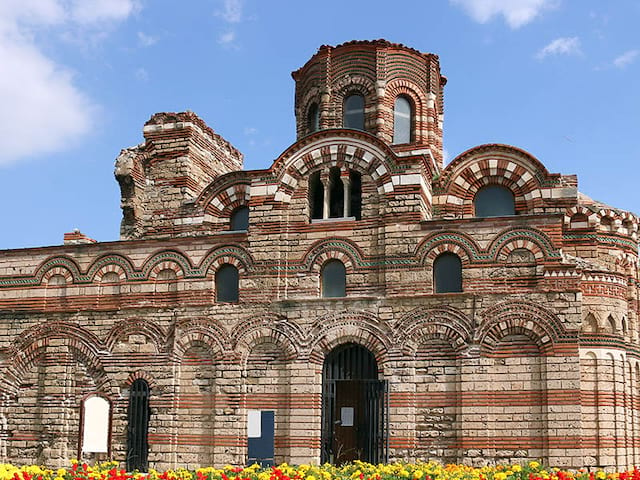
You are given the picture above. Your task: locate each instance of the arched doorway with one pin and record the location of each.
(138, 426)
(354, 407)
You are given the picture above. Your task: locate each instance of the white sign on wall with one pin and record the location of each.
(254, 424)
(95, 437)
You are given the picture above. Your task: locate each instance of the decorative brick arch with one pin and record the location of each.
(402, 87)
(60, 265)
(353, 85)
(140, 374)
(111, 263)
(444, 323)
(31, 344)
(266, 328)
(332, 249)
(110, 268)
(362, 328)
(226, 254)
(173, 260)
(492, 164)
(606, 214)
(449, 241)
(592, 217)
(543, 327)
(201, 331)
(535, 241)
(150, 330)
(224, 195)
(359, 151)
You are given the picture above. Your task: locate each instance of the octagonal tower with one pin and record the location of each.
(389, 90)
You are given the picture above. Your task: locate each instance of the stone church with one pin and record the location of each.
(358, 299)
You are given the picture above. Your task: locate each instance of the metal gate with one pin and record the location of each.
(354, 407)
(137, 430)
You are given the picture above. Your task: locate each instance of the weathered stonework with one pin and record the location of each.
(536, 358)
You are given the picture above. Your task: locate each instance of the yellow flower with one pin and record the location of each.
(534, 465)
(500, 476)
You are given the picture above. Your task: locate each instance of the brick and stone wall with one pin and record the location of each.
(536, 358)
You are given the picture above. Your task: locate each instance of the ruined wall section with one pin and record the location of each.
(161, 179)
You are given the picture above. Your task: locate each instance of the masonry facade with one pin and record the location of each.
(380, 304)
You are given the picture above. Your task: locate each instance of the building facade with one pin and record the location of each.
(357, 299)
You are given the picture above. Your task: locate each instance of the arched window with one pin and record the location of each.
(494, 201)
(313, 118)
(96, 419)
(353, 116)
(402, 119)
(138, 426)
(240, 219)
(334, 279)
(447, 273)
(227, 279)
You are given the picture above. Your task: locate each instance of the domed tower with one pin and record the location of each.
(386, 89)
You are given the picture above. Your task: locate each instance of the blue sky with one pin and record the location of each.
(559, 78)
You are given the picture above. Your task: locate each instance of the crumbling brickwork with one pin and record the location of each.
(535, 357)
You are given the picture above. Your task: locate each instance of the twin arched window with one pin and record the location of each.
(494, 201)
(227, 283)
(334, 279)
(402, 120)
(447, 273)
(335, 193)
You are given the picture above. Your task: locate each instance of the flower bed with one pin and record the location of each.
(352, 471)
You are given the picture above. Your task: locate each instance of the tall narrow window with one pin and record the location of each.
(240, 219)
(316, 195)
(336, 194)
(447, 273)
(356, 194)
(227, 279)
(138, 428)
(313, 118)
(494, 201)
(402, 116)
(96, 417)
(334, 279)
(353, 116)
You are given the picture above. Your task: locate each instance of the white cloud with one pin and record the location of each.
(232, 11)
(146, 40)
(232, 14)
(227, 38)
(561, 46)
(44, 111)
(94, 11)
(515, 12)
(627, 58)
(141, 74)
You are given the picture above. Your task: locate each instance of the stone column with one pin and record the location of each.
(346, 182)
(326, 197)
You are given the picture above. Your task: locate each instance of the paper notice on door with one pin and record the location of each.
(346, 416)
